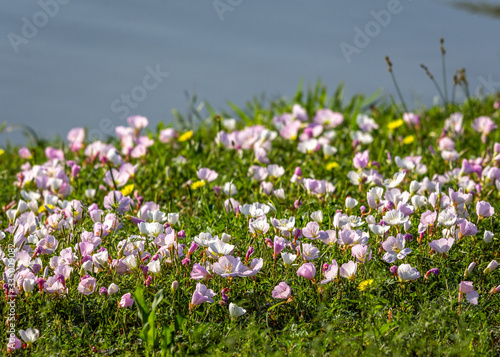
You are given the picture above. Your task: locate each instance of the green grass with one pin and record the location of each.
(420, 318)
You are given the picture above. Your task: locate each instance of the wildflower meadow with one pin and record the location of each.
(316, 225)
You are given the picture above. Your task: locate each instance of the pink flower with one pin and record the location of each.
(201, 294)
(467, 228)
(167, 135)
(87, 286)
(411, 118)
(25, 153)
(328, 118)
(307, 271)
(348, 270)
(483, 125)
(331, 272)
(466, 288)
(138, 151)
(137, 122)
(361, 253)
(199, 272)
(207, 174)
(282, 291)
(75, 138)
(126, 300)
(312, 231)
(13, 343)
(361, 159)
(484, 209)
(54, 154)
(442, 246)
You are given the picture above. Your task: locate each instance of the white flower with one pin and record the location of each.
(491, 266)
(488, 236)
(419, 201)
(378, 229)
(152, 229)
(351, 202)
(225, 237)
(407, 273)
(173, 218)
(279, 193)
(30, 335)
(229, 124)
(157, 216)
(447, 218)
(130, 261)
(414, 186)
(404, 163)
(203, 239)
(394, 218)
(236, 311)
(329, 150)
(154, 266)
(356, 178)
(396, 180)
(284, 224)
(229, 189)
(255, 210)
(275, 171)
(29, 285)
(317, 216)
(113, 289)
(219, 248)
(288, 258)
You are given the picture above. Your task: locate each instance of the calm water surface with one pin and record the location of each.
(91, 63)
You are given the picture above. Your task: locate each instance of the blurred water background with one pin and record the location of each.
(82, 63)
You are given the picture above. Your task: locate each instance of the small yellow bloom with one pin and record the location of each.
(127, 190)
(332, 165)
(2, 151)
(408, 139)
(196, 185)
(44, 208)
(395, 124)
(364, 284)
(186, 136)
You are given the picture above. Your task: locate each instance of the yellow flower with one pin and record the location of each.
(186, 136)
(127, 190)
(408, 139)
(44, 208)
(196, 185)
(364, 284)
(395, 124)
(332, 165)
(2, 151)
